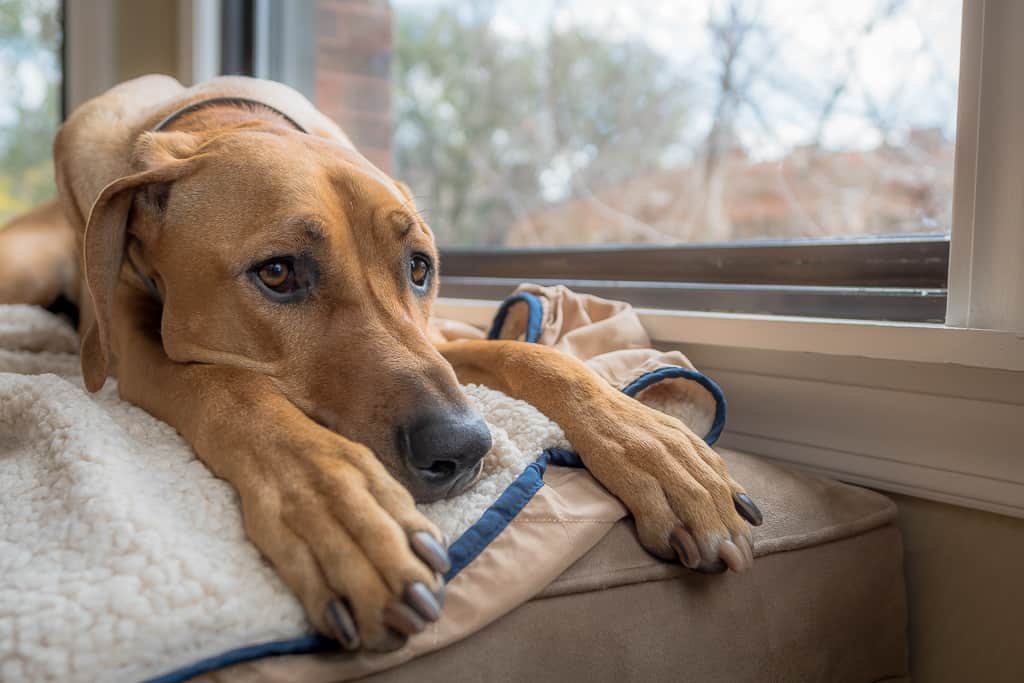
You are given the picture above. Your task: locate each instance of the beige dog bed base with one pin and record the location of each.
(824, 602)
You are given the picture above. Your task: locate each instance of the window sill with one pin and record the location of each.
(915, 342)
(925, 410)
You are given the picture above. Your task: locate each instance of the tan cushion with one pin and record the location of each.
(800, 510)
(825, 601)
(831, 612)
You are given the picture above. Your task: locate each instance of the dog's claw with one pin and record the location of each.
(403, 619)
(419, 597)
(343, 625)
(734, 558)
(686, 548)
(430, 551)
(748, 549)
(717, 567)
(747, 509)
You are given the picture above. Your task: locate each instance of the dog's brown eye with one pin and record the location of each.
(419, 270)
(277, 275)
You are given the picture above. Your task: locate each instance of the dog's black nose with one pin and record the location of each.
(441, 447)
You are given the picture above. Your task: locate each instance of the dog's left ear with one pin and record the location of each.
(161, 158)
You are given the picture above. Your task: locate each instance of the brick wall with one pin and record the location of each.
(353, 68)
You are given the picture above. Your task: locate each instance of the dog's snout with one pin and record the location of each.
(443, 447)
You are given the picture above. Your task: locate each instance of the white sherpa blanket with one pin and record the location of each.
(121, 556)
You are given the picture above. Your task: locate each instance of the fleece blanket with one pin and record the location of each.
(121, 555)
(124, 559)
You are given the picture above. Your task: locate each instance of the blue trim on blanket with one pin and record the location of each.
(509, 504)
(533, 319)
(463, 551)
(661, 374)
(293, 646)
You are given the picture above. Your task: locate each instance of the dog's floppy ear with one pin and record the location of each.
(161, 158)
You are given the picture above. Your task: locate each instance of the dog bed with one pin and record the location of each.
(124, 559)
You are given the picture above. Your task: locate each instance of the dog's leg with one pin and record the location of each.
(340, 530)
(37, 258)
(683, 499)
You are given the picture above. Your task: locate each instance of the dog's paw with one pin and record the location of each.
(348, 540)
(685, 504)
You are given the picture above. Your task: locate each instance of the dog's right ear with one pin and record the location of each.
(160, 159)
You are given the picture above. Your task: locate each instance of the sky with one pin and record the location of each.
(906, 67)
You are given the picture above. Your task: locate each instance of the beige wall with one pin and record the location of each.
(965, 583)
(146, 38)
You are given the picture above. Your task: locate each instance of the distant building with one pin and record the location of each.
(811, 192)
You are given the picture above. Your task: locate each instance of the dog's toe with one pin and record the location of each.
(686, 547)
(426, 604)
(338, 616)
(747, 509)
(430, 551)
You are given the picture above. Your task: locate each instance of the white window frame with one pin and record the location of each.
(199, 24)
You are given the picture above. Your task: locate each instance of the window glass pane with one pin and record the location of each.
(558, 122)
(30, 80)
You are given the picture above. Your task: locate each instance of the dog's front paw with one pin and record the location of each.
(683, 500)
(348, 540)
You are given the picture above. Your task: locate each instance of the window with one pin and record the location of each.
(30, 78)
(581, 122)
(742, 156)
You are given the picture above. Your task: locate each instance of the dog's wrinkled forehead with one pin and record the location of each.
(286, 158)
(269, 177)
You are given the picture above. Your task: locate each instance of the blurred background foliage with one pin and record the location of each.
(30, 80)
(489, 129)
(561, 122)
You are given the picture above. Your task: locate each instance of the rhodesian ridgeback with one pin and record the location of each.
(254, 281)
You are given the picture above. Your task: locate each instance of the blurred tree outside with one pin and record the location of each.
(30, 78)
(595, 121)
(491, 129)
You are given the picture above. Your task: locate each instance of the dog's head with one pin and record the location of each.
(292, 256)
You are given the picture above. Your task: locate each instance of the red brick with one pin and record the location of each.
(354, 92)
(370, 62)
(353, 71)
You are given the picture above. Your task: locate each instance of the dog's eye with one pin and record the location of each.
(419, 270)
(284, 279)
(277, 275)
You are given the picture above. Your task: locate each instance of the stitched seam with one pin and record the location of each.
(555, 520)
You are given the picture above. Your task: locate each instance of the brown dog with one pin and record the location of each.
(255, 282)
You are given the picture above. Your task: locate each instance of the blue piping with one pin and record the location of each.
(533, 320)
(509, 504)
(655, 376)
(295, 646)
